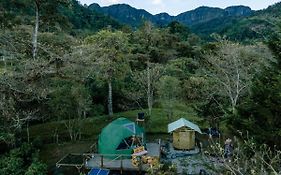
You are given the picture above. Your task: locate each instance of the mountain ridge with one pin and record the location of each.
(129, 15)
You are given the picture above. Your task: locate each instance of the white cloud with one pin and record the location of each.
(157, 2)
(111, 1)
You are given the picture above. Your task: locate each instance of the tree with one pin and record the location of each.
(25, 83)
(232, 67)
(147, 39)
(179, 29)
(22, 160)
(247, 157)
(109, 58)
(260, 113)
(18, 106)
(40, 5)
(36, 168)
(70, 103)
(36, 28)
(147, 80)
(169, 91)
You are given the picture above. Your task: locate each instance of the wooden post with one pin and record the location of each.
(140, 167)
(101, 161)
(121, 168)
(79, 169)
(160, 148)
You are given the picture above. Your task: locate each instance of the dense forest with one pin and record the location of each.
(65, 66)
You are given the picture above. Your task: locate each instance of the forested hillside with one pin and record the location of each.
(66, 71)
(236, 22)
(68, 16)
(131, 16)
(258, 26)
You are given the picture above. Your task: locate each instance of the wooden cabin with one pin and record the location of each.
(183, 134)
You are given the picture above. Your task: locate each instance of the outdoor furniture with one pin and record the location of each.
(139, 151)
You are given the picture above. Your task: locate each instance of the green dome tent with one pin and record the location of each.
(120, 137)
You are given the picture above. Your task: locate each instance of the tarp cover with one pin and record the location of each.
(114, 133)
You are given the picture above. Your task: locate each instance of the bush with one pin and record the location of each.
(36, 168)
(22, 160)
(248, 158)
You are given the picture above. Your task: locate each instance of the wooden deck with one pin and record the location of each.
(121, 162)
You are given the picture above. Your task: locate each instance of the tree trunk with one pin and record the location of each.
(27, 132)
(110, 109)
(4, 61)
(149, 93)
(35, 32)
(56, 136)
(69, 127)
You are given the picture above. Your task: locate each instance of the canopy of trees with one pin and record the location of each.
(61, 62)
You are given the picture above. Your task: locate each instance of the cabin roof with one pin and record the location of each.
(181, 123)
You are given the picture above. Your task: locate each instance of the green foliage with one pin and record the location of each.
(153, 45)
(22, 160)
(275, 44)
(58, 15)
(169, 91)
(55, 45)
(84, 20)
(11, 165)
(163, 169)
(62, 102)
(36, 168)
(213, 110)
(182, 67)
(248, 158)
(120, 13)
(109, 53)
(231, 68)
(8, 138)
(69, 100)
(259, 114)
(80, 69)
(179, 29)
(258, 26)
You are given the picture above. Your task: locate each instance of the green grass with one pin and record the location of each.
(156, 124)
(51, 153)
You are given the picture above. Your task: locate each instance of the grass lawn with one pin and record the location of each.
(156, 127)
(92, 126)
(51, 153)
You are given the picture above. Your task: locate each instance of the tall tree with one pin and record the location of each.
(232, 67)
(38, 6)
(169, 91)
(36, 28)
(260, 113)
(147, 39)
(109, 58)
(147, 79)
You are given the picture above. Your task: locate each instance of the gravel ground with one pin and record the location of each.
(191, 162)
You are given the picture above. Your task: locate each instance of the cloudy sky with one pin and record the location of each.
(174, 7)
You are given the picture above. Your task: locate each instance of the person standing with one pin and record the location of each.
(228, 149)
